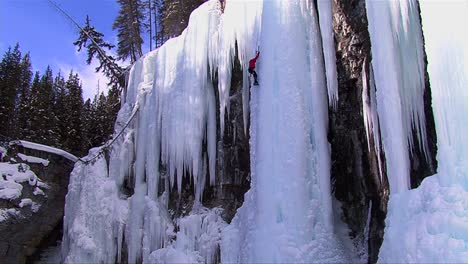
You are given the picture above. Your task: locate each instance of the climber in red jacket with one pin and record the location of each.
(252, 67)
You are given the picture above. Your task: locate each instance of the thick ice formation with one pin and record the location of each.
(170, 104)
(289, 149)
(430, 223)
(398, 66)
(170, 108)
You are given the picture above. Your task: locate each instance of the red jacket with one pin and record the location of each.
(253, 61)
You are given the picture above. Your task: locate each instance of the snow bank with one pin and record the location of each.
(427, 225)
(11, 177)
(32, 159)
(40, 147)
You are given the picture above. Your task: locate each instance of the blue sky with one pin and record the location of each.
(48, 35)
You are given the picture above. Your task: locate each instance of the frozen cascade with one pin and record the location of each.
(430, 223)
(170, 102)
(289, 149)
(120, 210)
(398, 66)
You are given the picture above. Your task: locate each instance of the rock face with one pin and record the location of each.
(358, 185)
(21, 236)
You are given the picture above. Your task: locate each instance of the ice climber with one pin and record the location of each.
(252, 67)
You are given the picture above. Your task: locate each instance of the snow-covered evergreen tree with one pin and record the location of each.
(10, 75)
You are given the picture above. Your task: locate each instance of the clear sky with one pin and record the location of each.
(48, 35)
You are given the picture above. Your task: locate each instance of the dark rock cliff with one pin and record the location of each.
(21, 236)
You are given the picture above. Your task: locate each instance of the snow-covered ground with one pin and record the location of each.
(12, 178)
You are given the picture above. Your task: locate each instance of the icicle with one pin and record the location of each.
(398, 65)
(326, 29)
(370, 115)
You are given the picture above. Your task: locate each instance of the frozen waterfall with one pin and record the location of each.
(430, 223)
(118, 206)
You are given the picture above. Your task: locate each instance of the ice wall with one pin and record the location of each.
(430, 223)
(398, 67)
(168, 116)
(286, 216)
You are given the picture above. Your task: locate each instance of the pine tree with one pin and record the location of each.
(42, 101)
(112, 108)
(74, 141)
(158, 11)
(61, 112)
(86, 120)
(176, 14)
(10, 75)
(93, 41)
(130, 24)
(23, 124)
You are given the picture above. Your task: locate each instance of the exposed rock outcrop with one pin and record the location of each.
(22, 235)
(358, 183)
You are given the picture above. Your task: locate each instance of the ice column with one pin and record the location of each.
(397, 59)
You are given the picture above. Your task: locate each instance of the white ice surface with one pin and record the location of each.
(170, 100)
(326, 30)
(32, 159)
(430, 223)
(398, 67)
(286, 216)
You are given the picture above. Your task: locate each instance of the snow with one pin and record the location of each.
(430, 223)
(3, 153)
(12, 175)
(398, 69)
(40, 147)
(28, 202)
(7, 213)
(38, 191)
(32, 159)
